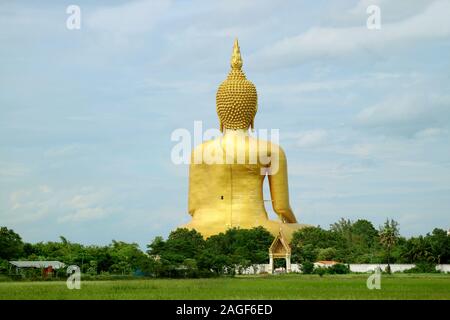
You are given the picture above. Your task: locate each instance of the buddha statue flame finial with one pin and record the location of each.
(236, 98)
(236, 59)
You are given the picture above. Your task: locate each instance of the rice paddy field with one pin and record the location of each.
(292, 286)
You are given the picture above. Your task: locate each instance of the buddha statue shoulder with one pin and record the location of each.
(227, 174)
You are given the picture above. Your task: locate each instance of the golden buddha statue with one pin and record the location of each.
(225, 190)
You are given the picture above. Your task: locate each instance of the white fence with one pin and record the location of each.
(443, 268)
(382, 266)
(264, 268)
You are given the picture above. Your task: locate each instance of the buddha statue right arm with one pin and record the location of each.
(279, 190)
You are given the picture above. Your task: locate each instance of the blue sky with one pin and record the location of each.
(86, 115)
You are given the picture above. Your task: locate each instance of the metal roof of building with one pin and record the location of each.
(38, 264)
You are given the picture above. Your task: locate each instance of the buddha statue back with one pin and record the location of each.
(226, 174)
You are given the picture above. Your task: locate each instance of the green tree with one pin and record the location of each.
(92, 269)
(439, 245)
(156, 248)
(338, 268)
(307, 242)
(365, 230)
(316, 236)
(326, 254)
(102, 257)
(344, 228)
(307, 267)
(121, 267)
(191, 268)
(210, 260)
(11, 245)
(237, 249)
(28, 250)
(389, 234)
(418, 249)
(182, 244)
(127, 257)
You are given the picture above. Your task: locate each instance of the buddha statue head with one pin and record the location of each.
(236, 98)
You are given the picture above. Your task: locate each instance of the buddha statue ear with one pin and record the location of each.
(221, 126)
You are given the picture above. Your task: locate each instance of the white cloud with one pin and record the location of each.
(84, 214)
(320, 42)
(394, 110)
(367, 80)
(29, 205)
(192, 87)
(45, 189)
(75, 205)
(313, 138)
(309, 86)
(430, 133)
(195, 42)
(390, 10)
(132, 18)
(88, 204)
(12, 170)
(329, 170)
(360, 150)
(65, 150)
(406, 114)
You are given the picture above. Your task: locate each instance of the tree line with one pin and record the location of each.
(185, 253)
(360, 242)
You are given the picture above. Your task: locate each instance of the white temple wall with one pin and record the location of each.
(363, 268)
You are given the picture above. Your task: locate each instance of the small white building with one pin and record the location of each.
(47, 267)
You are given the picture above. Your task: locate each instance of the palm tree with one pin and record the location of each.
(389, 234)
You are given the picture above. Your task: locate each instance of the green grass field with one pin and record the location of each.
(398, 286)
